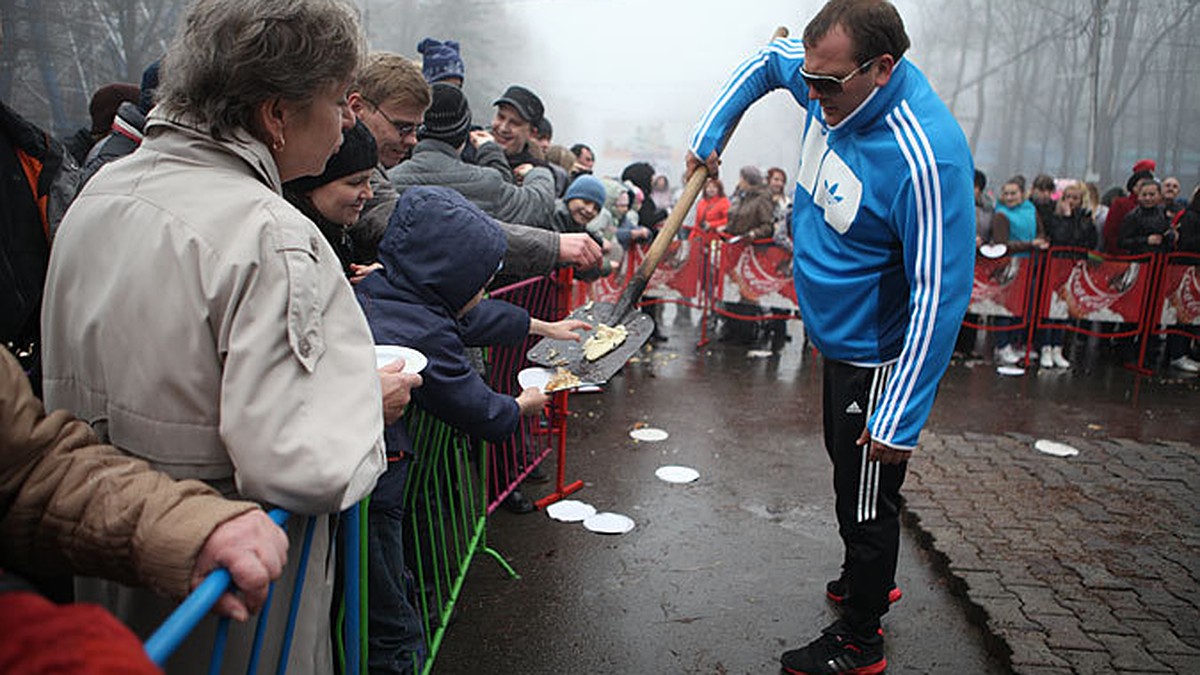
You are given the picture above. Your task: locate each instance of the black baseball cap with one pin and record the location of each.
(528, 105)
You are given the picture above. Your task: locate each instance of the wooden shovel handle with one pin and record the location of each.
(666, 234)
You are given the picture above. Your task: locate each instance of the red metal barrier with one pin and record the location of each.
(513, 460)
(1082, 291)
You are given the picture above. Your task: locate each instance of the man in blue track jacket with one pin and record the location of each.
(883, 224)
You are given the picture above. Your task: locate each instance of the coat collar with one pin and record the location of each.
(183, 134)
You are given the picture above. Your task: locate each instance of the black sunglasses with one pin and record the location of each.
(830, 85)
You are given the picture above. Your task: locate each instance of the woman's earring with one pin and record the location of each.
(278, 144)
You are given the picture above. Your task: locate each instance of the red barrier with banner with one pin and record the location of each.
(677, 277)
(1095, 289)
(1180, 291)
(678, 273)
(1001, 287)
(757, 273)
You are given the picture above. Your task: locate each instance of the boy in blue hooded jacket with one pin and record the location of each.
(438, 254)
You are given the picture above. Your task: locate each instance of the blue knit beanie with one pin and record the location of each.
(440, 60)
(587, 187)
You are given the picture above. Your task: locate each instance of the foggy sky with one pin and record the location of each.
(606, 67)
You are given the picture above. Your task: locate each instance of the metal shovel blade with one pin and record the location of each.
(569, 354)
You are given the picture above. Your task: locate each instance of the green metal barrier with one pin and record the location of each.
(446, 523)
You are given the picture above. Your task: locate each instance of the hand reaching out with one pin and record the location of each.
(579, 249)
(558, 330)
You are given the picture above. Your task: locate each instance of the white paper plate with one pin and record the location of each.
(993, 250)
(609, 523)
(570, 511)
(1055, 448)
(677, 474)
(414, 361)
(1010, 370)
(534, 377)
(648, 434)
(538, 377)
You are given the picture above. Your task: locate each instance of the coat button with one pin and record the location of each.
(305, 347)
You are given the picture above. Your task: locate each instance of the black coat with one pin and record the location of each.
(1138, 225)
(1077, 229)
(1189, 231)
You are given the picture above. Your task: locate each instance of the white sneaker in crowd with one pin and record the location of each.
(1007, 356)
(1047, 360)
(1060, 361)
(1186, 364)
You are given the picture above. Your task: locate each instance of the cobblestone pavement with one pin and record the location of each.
(1085, 564)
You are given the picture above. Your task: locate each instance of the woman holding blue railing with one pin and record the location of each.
(203, 323)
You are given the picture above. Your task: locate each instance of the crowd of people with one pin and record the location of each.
(198, 278)
(226, 340)
(1147, 215)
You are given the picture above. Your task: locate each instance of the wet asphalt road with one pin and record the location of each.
(723, 574)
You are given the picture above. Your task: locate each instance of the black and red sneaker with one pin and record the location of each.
(838, 590)
(837, 651)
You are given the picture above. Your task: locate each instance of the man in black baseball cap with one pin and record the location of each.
(518, 111)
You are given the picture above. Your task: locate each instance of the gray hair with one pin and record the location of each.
(231, 55)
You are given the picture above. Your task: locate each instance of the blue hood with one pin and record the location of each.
(439, 247)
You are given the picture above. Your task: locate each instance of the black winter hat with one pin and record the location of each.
(358, 153)
(526, 102)
(448, 118)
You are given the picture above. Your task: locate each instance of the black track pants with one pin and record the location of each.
(867, 492)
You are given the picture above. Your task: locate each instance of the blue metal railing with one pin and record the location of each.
(184, 620)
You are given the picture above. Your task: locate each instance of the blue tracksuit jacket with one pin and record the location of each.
(883, 223)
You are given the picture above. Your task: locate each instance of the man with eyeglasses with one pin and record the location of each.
(883, 231)
(390, 96)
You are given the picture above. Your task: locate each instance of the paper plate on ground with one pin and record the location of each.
(1010, 370)
(993, 250)
(649, 434)
(609, 523)
(414, 361)
(1055, 448)
(677, 474)
(570, 511)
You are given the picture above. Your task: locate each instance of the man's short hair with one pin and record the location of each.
(980, 180)
(392, 78)
(874, 26)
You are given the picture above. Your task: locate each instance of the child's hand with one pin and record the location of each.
(559, 330)
(532, 400)
(565, 329)
(360, 272)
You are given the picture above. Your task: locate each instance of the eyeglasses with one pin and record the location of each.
(829, 85)
(402, 128)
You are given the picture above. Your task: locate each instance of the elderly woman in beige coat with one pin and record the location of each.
(202, 323)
